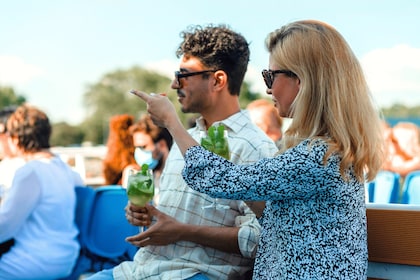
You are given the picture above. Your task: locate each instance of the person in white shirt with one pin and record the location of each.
(39, 210)
(9, 162)
(8, 165)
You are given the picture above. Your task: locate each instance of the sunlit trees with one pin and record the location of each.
(64, 134)
(110, 96)
(9, 97)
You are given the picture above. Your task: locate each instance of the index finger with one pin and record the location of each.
(140, 94)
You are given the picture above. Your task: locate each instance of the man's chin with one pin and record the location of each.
(184, 110)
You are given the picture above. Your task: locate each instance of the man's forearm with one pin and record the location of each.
(257, 207)
(221, 238)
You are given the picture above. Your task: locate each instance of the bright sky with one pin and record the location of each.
(51, 50)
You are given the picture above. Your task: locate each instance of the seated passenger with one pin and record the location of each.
(403, 150)
(39, 210)
(9, 162)
(8, 165)
(265, 116)
(120, 149)
(152, 144)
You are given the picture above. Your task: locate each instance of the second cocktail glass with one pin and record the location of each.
(216, 141)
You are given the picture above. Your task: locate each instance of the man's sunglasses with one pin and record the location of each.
(180, 75)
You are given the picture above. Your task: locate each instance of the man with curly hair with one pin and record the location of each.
(185, 241)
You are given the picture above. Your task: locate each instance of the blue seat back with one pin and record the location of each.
(84, 196)
(411, 188)
(108, 226)
(385, 188)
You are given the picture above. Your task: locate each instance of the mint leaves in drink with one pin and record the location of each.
(140, 189)
(216, 141)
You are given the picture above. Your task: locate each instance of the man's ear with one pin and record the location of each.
(161, 144)
(220, 79)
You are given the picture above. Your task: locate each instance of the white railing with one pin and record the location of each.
(87, 161)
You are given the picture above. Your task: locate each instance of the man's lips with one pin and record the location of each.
(180, 94)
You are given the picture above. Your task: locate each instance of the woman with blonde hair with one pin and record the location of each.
(314, 223)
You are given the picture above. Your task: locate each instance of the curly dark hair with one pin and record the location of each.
(218, 47)
(32, 128)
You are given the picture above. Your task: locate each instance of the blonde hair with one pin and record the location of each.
(334, 102)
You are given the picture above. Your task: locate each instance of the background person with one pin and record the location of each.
(9, 162)
(8, 165)
(120, 149)
(39, 210)
(403, 146)
(152, 145)
(186, 241)
(314, 223)
(265, 116)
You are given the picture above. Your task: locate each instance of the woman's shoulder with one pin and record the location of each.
(315, 148)
(313, 145)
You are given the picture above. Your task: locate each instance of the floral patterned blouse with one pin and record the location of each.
(314, 223)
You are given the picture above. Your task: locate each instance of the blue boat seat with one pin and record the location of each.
(411, 188)
(385, 188)
(100, 217)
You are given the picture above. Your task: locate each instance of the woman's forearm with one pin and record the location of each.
(180, 135)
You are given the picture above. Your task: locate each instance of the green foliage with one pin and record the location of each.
(401, 111)
(65, 135)
(110, 96)
(246, 95)
(95, 130)
(9, 97)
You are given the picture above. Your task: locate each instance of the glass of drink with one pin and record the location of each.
(140, 186)
(216, 141)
